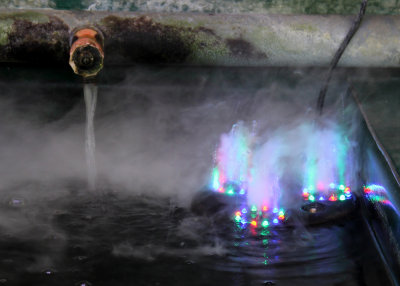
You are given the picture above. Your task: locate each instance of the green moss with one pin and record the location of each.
(32, 16)
(304, 27)
(5, 29)
(7, 21)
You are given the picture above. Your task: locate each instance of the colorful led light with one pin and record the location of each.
(242, 192)
(253, 223)
(275, 220)
(347, 190)
(367, 190)
(281, 217)
(238, 213)
(265, 208)
(265, 223)
(253, 208)
(275, 210)
(311, 198)
(244, 211)
(230, 192)
(332, 185)
(333, 198)
(321, 198)
(342, 197)
(341, 187)
(238, 218)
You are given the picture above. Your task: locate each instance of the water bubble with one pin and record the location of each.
(48, 272)
(80, 257)
(16, 202)
(83, 283)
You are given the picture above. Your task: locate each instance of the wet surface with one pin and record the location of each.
(79, 238)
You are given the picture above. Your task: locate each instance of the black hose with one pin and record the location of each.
(338, 55)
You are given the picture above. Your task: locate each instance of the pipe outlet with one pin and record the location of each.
(86, 53)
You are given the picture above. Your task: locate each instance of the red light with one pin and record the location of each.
(333, 198)
(305, 195)
(367, 190)
(253, 223)
(347, 190)
(281, 217)
(221, 190)
(265, 208)
(238, 213)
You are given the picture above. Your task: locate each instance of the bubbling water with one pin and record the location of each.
(304, 159)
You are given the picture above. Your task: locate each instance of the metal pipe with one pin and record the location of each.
(86, 53)
(42, 36)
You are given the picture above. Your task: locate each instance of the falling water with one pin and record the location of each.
(90, 93)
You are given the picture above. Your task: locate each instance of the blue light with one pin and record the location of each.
(244, 211)
(275, 210)
(321, 198)
(275, 220)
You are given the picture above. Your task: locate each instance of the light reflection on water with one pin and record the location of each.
(114, 239)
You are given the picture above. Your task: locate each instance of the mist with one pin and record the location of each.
(157, 134)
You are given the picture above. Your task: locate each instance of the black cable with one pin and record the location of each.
(338, 55)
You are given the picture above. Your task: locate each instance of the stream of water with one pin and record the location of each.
(90, 93)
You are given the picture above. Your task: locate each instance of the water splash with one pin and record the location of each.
(268, 172)
(232, 159)
(90, 93)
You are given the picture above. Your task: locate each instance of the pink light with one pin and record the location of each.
(347, 190)
(305, 195)
(333, 198)
(367, 190)
(320, 186)
(265, 208)
(238, 213)
(221, 190)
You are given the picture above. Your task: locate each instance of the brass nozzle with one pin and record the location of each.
(86, 54)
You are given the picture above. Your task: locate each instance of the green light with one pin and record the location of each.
(215, 179)
(311, 198)
(253, 208)
(265, 223)
(238, 218)
(230, 191)
(342, 197)
(342, 187)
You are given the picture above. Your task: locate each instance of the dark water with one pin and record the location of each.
(77, 238)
